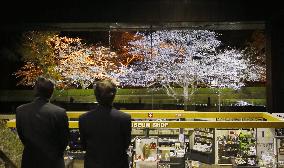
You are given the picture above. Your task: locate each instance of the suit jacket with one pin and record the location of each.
(43, 129)
(105, 134)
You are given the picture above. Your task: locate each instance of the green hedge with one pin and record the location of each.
(10, 144)
(228, 96)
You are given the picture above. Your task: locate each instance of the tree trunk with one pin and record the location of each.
(185, 96)
(170, 91)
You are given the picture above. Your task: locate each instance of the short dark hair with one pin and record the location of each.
(43, 87)
(105, 91)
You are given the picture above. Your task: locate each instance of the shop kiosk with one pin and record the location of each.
(176, 138)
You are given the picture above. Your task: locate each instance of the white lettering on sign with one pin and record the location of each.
(141, 125)
(160, 125)
(178, 115)
(149, 125)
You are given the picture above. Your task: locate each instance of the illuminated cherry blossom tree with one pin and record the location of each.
(28, 74)
(188, 59)
(38, 56)
(119, 41)
(177, 58)
(66, 61)
(84, 66)
(255, 52)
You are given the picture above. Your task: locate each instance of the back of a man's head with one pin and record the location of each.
(43, 88)
(105, 91)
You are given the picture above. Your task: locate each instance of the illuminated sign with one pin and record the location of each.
(150, 125)
(150, 115)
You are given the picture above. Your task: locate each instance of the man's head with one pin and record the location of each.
(43, 88)
(105, 91)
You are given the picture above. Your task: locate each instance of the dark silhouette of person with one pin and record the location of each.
(43, 129)
(208, 101)
(105, 132)
(71, 99)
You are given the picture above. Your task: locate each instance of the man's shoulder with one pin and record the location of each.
(121, 113)
(55, 107)
(23, 106)
(85, 115)
(54, 110)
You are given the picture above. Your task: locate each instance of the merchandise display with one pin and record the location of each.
(237, 147)
(267, 159)
(191, 164)
(74, 144)
(146, 152)
(279, 132)
(228, 147)
(203, 140)
(247, 151)
(74, 148)
(163, 148)
(203, 145)
(146, 149)
(280, 151)
(164, 165)
(157, 144)
(162, 152)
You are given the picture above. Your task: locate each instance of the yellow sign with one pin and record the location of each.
(270, 121)
(150, 125)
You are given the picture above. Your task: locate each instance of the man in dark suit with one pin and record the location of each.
(43, 129)
(105, 132)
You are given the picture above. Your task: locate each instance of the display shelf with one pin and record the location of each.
(166, 148)
(247, 143)
(207, 153)
(142, 134)
(203, 145)
(74, 143)
(204, 157)
(173, 162)
(279, 132)
(203, 139)
(279, 144)
(237, 147)
(227, 150)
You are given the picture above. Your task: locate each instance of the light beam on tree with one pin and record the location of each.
(66, 61)
(186, 58)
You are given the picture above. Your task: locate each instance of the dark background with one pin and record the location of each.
(74, 15)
